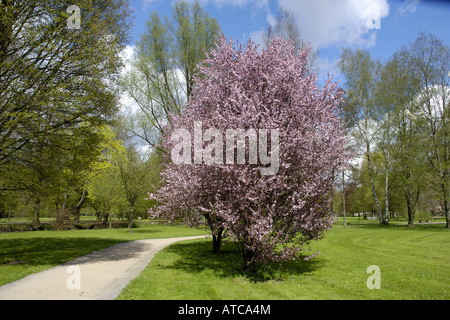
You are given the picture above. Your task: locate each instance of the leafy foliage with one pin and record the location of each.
(270, 217)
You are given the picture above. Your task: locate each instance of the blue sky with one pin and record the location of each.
(328, 24)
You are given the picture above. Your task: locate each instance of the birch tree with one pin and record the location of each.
(430, 59)
(362, 73)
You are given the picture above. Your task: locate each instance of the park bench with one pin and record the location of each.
(422, 219)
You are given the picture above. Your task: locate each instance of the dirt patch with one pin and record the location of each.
(15, 262)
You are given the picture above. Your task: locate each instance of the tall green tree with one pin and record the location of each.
(430, 59)
(417, 85)
(104, 194)
(103, 190)
(133, 178)
(52, 77)
(399, 138)
(161, 78)
(362, 73)
(57, 87)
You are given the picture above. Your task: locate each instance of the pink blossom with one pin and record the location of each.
(270, 217)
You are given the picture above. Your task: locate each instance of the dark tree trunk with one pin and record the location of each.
(217, 241)
(372, 184)
(77, 209)
(36, 222)
(249, 262)
(410, 210)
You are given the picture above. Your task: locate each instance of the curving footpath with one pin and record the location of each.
(100, 275)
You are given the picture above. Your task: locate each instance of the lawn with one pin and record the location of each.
(24, 253)
(413, 264)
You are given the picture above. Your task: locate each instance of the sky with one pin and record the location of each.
(380, 26)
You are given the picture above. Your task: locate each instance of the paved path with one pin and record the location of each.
(100, 275)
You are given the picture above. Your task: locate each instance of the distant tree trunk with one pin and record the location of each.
(386, 191)
(374, 193)
(77, 208)
(446, 209)
(410, 209)
(343, 197)
(62, 214)
(386, 199)
(64, 204)
(130, 220)
(98, 213)
(105, 218)
(36, 222)
(332, 195)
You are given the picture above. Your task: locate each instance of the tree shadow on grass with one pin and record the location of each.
(196, 257)
(49, 251)
(433, 227)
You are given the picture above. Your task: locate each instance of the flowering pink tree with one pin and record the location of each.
(253, 155)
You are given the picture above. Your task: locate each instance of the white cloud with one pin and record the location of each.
(408, 6)
(128, 105)
(234, 3)
(327, 22)
(145, 4)
(271, 20)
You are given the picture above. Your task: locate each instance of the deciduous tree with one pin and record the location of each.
(269, 216)
(362, 73)
(160, 79)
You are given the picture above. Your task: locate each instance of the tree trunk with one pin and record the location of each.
(247, 256)
(216, 235)
(36, 222)
(343, 197)
(130, 221)
(62, 215)
(374, 193)
(446, 214)
(77, 209)
(64, 204)
(387, 163)
(105, 219)
(446, 209)
(249, 263)
(217, 241)
(410, 209)
(386, 198)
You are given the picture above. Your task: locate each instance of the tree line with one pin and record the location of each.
(397, 114)
(58, 107)
(65, 143)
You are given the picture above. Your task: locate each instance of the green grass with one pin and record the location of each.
(24, 253)
(413, 263)
(41, 219)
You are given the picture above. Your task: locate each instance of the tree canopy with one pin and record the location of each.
(269, 214)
